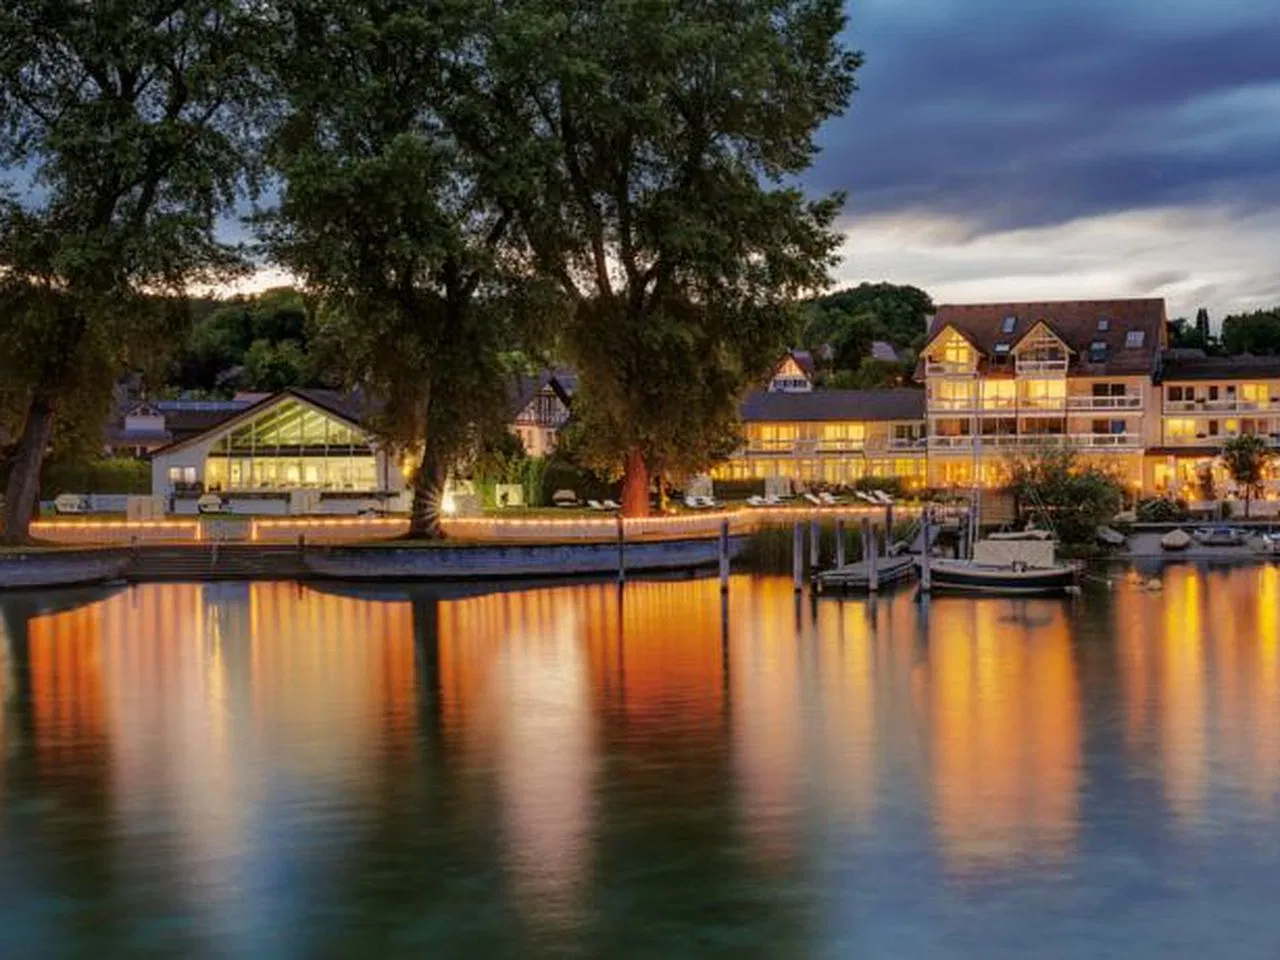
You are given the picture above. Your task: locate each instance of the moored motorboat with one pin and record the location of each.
(1010, 564)
(1220, 537)
(1175, 540)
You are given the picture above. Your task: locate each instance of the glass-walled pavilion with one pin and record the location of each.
(292, 446)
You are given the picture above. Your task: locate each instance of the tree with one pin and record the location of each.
(664, 135)
(1257, 332)
(1247, 458)
(1055, 487)
(897, 313)
(125, 122)
(386, 220)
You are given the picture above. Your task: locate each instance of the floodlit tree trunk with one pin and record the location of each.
(635, 486)
(23, 490)
(428, 494)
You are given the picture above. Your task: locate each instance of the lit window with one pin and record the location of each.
(1135, 338)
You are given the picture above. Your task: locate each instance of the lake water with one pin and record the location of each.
(271, 770)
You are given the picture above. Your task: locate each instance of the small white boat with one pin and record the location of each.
(1176, 540)
(1270, 544)
(1220, 536)
(1110, 537)
(1022, 563)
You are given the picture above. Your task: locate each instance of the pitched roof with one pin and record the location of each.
(1196, 365)
(525, 387)
(343, 406)
(1078, 323)
(899, 403)
(883, 350)
(804, 360)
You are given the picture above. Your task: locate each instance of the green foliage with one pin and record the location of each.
(1054, 488)
(1257, 332)
(739, 489)
(663, 134)
(892, 312)
(109, 475)
(1247, 458)
(1162, 510)
(132, 121)
(266, 338)
(871, 374)
(770, 549)
(559, 474)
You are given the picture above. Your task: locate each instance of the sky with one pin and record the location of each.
(1063, 149)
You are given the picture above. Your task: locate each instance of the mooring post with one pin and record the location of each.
(888, 526)
(926, 581)
(724, 555)
(866, 540)
(622, 553)
(873, 562)
(839, 542)
(797, 555)
(815, 544)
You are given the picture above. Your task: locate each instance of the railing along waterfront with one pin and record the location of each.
(90, 531)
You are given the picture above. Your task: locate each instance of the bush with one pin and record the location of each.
(1162, 510)
(769, 549)
(559, 475)
(1054, 488)
(110, 475)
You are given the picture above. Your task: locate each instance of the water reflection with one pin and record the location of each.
(268, 768)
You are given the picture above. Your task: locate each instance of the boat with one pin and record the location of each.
(1176, 540)
(1220, 537)
(1270, 544)
(1017, 564)
(1110, 537)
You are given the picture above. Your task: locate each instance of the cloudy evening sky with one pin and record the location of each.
(1027, 149)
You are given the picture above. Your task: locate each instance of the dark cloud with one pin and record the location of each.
(1035, 113)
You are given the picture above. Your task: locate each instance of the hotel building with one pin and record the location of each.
(1008, 377)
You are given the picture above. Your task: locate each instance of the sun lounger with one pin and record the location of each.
(612, 505)
(813, 500)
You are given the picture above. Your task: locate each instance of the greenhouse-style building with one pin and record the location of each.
(295, 451)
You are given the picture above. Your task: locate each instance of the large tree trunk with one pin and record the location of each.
(428, 493)
(23, 490)
(635, 486)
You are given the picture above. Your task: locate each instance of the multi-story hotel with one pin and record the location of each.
(1205, 401)
(1006, 378)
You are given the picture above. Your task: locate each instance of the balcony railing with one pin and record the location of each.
(1222, 405)
(1214, 441)
(1126, 402)
(941, 368)
(1094, 441)
(1042, 403)
(1041, 366)
(813, 447)
(952, 405)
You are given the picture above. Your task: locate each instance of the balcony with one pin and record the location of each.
(1127, 402)
(1088, 441)
(964, 404)
(1035, 366)
(1042, 403)
(941, 368)
(1223, 405)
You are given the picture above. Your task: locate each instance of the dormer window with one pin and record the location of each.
(1104, 325)
(1002, 348)
(1135, 338)
(1008, 325)
(1097, 352)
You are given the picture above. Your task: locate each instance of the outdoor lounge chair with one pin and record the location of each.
(813, 500)
(611, 505)
(596, 505)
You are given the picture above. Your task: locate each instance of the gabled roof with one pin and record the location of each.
(1030, 328)
(345, 407)
(899, 403)
(564, 383)
(1078, 323)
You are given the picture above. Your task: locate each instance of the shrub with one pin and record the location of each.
(739, 489)
(1161, 510)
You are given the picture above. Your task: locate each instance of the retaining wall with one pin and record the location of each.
(60, 568)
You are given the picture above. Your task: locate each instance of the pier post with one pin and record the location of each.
(839, 542)
(873, 557)
(866, 540)
(622, 553)
(797, 556)
(815, 544)
(724, 555)
(888, 527)
(926, 580)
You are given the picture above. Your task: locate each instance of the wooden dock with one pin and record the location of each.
(856, 577)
